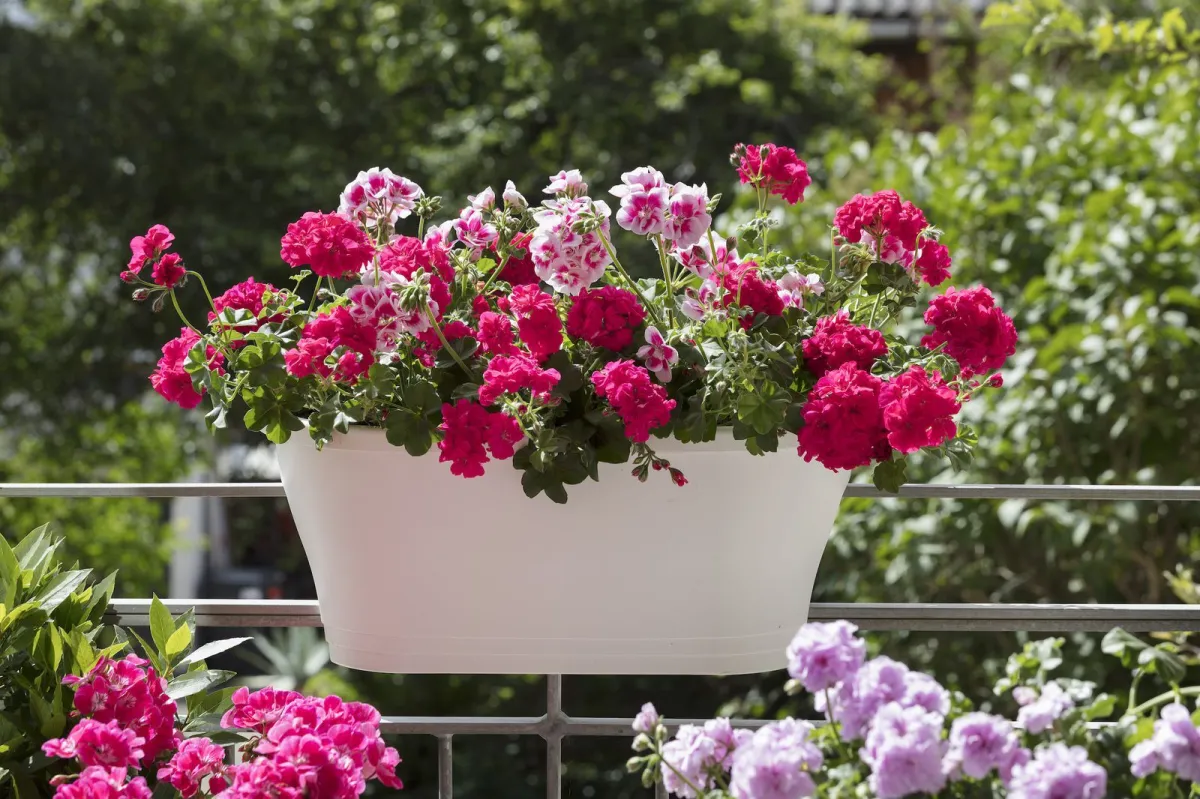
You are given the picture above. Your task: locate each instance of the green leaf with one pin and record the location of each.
(60, 588)
(1121, 644)
(193, 682)
(890, 475)
(162, 626)
(571, 377)
(33, 550)
(1167, 665)
(764, 409)
(178, 643)
(421, 396)
(213, 648)
(408, 430)
(10, 573)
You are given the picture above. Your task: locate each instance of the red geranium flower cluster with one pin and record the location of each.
(167, 269)
(518, 270)
(512, 374)
(642, 404)
(918, 410)
(778, 169)
(170, 378)
(976, 334)
(605, 317)
(322, 337)
(836, 340)
(745, 288)
(538, 324)
(843, 423)
(892, 228)
(470, 432)
(495, 334)
(329, 244)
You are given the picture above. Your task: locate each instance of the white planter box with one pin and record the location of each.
(422, 572)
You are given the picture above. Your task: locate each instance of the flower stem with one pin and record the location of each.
(837, 731)
(662, 259)
(625, 275)
(1162, 699)
(446, 344)
(316, 290)
(179, 311)
(496, 272)
(204, 286)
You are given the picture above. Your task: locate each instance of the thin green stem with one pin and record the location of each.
(316, 290)
(496, 272)
(1162, 699)
(874, 308)
(446, 344)
(625, 275)
(204, 286)
(666, 269)
(421, 229)
(1137, 678)
(837, 733)
(179, 311)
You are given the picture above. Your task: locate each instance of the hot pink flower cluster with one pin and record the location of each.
(893, 229)
(166, 268)
(329, 244)
(323, 337)
(640, 403)
(974, 332)
(513, 374)
(311, 748)
(836, 340)
(303, 748)
(605, 317)
(538, 325)
(777, 169)
(470, 432)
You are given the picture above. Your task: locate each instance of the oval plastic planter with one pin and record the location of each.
(421, 572)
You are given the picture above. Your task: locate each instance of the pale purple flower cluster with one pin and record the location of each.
(822, 655)
(1040, 714)
(1059, 771)
(776, 763)
(904, 749)
(981, 743)
(697, 754)
(879, 682)
(646, 720)
(1175, 746)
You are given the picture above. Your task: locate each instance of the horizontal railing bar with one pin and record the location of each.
(528, 725)
(920, 617)
(1100, 493)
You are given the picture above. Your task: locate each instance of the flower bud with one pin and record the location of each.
(731, 243)
(129, 276)
(678, 477)
(634, 764)
(513, 198)
(140, 294)
(159, 302)
(996, 380)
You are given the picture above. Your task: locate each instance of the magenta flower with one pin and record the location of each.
(97, 782)
(96, 743)
(196, 760)
(257, 711)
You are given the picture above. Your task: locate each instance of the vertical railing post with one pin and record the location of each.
(554, 719)
(445, 766)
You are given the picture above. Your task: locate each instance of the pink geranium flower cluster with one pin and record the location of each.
(509, 326)
(296, 747)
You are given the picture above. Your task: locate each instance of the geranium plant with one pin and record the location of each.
(516, 332)
(154, 726)
(890, 732)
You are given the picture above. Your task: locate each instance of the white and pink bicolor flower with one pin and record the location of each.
(473, 231)
(568, 182)
(379, 194)
(794, 287)
(658, 356)
(484, 200)
(644, 212)
(689, 220)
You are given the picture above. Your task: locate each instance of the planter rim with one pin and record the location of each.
(361, 438)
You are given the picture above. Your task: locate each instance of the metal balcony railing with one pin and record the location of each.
(555, 724)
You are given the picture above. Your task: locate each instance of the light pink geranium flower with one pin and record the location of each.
(794, 287)
(689, 219)
(568, 182)
(644, 212)
(658, 356)
(641, 180)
